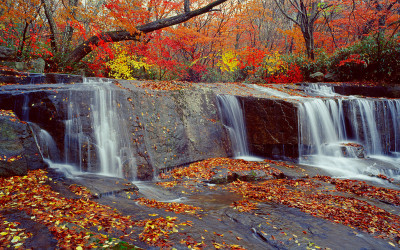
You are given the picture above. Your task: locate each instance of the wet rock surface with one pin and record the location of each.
(272, 128)
(219, 223)
(390, 91)
(19, 152)
(41, 236)
(176, 127)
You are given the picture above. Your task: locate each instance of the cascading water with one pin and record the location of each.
(336, 132)
(320, 90)
(232, 116)
(112, 137)
(96, 137)
(47, 145)
(321, 127)
(332, 130)
(107, 143)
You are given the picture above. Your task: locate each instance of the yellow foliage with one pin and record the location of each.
(229, 61)
(274, 64)
(123, 65)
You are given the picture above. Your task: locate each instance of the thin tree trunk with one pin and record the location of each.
(52, 25)
(69, 30)
(22, 44)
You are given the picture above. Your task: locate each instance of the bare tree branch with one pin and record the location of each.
(285, 14)
(122, 35)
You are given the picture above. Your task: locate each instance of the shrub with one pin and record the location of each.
(292, 75)
(373, 59)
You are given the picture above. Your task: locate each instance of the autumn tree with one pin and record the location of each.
(136, 33)
(304, 13)
(20, 24)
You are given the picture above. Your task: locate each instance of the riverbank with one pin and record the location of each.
(217, 203)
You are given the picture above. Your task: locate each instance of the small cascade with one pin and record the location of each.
(364, 115)
(48, 146)
(334, 133)
(104, 143)
(96, 135)
(25, 108)
(322, 127)
(320, 90)
(232, 117)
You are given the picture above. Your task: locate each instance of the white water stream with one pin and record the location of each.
(232, 116)
(330, 127)
(96, 138)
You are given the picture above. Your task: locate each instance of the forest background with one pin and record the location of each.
(258, 41)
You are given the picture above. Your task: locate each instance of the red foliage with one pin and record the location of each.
(293, 75)
(354, 58)
(252, 57)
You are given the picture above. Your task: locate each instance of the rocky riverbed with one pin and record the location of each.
(218, 203)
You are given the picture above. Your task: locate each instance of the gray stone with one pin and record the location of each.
(223, 175)
(331, 77)
(37, 65)
(99, 185)
(21, 66)
(18, 150)
(352, 150)
(174, 128)
(317, 77)
(6, 53)
(272, 127)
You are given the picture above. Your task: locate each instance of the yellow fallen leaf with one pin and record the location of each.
(15, 239)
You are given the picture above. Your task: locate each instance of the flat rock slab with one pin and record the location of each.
(100, 185)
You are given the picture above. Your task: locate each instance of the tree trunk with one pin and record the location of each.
(122, 35)
(52, 25)
(22, 43)
(309, 41)
(69, 30)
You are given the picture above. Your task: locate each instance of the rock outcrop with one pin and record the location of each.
(18, 149)
(272, 129)
(317, 77)
(165, 128)
(6, 53)
(173, 128)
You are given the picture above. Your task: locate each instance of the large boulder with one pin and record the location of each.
(37, 65)
(331, 77)
(18, 149)
(272, 127)
(173, 128)
(317, 77)
(6, 53)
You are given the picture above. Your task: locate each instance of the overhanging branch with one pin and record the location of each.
(122, 35)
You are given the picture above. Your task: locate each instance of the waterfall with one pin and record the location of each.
(320, 90)
(103, 144)
(47, 145)
(112, 136)
(321, 126)
(373, 123)
(331, 132)
(232, 117)
(96, 136)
